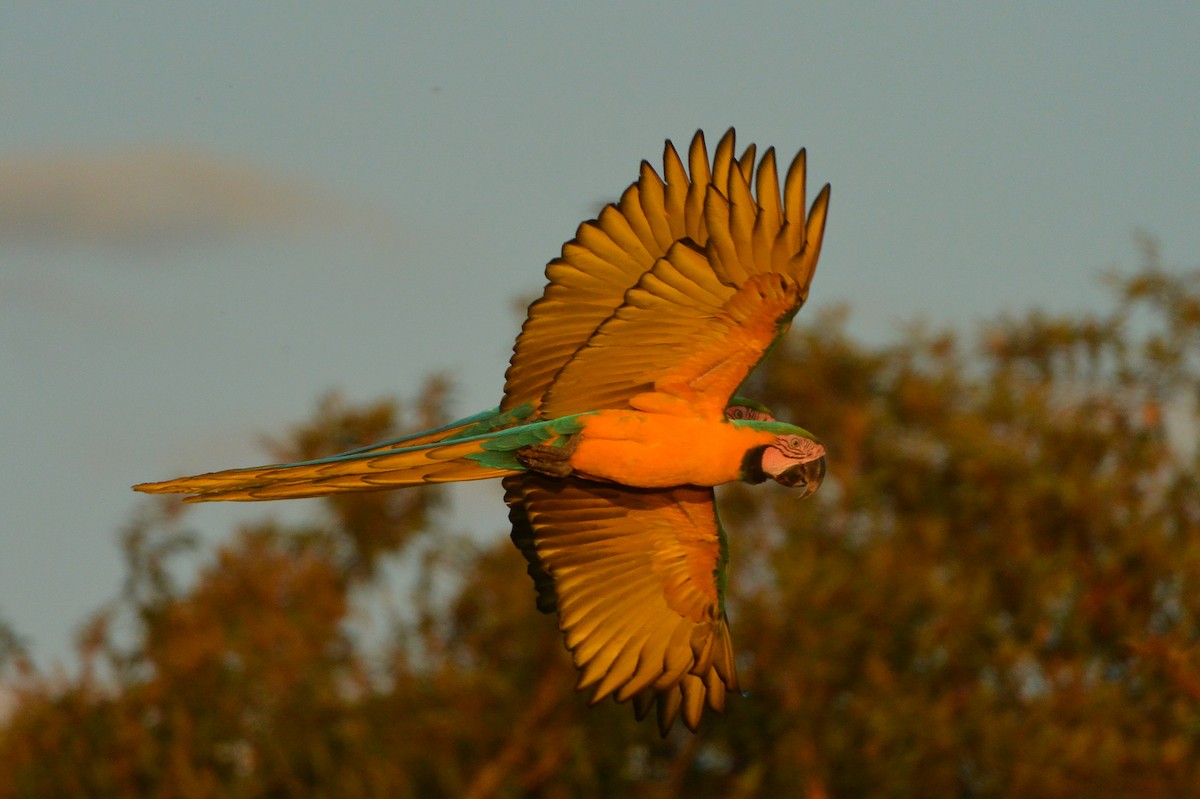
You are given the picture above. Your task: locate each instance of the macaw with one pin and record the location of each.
(618, 418)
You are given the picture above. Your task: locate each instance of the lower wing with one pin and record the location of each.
(636, 577)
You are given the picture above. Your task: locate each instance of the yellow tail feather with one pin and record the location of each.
(367, 471)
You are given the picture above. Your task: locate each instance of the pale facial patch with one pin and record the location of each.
(790, 450)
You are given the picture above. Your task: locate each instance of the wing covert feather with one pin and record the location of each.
(679, 332)
(604, 260)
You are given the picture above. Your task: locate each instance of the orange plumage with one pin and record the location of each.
(658, 450)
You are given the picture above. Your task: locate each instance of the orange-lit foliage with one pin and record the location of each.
(996, 593)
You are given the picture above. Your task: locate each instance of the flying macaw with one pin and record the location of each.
(618, 419)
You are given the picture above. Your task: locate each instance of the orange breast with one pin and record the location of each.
(655, 450)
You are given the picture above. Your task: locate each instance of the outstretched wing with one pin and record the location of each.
(696, 323)
(608, 256)
(637, 578)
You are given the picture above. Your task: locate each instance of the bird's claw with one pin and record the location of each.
(548, 459)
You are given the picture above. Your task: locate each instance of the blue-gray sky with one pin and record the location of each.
(212, 213)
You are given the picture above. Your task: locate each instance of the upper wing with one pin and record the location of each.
(680, 332)
(608, 256)
(701, 317)
(637, 578)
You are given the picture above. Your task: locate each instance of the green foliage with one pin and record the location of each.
(996, 593)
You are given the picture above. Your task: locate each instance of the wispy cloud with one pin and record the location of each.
(149, 196)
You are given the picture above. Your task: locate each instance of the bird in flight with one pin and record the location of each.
(619, 417)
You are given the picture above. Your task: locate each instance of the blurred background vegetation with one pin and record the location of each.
(996, 593)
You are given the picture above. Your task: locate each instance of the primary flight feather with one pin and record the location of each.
(619, 417)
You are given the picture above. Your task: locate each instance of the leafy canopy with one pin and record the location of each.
(997, 593)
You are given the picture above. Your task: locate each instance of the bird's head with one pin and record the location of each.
(794, 459)
(741, 408)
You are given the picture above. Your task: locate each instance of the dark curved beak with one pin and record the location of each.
(804, 475)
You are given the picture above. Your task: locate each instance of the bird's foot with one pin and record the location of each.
(548, 459)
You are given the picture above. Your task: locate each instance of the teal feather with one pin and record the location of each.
(778, 428)
(474, 425)
(721, 571)
(489, 421)
(478, 423)
(499, 451)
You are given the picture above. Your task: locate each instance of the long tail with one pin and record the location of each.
(470, 449)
